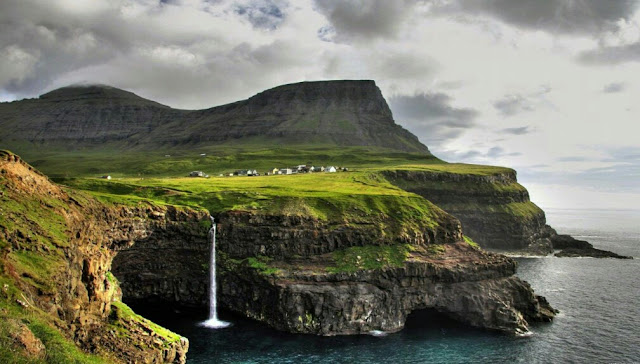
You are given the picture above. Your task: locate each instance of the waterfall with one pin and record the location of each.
(213, 322)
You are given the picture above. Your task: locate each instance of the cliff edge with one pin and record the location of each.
(59, 302)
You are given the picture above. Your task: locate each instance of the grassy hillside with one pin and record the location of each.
(180, 161)
(345, 197)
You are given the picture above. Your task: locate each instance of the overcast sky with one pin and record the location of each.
(549, 88)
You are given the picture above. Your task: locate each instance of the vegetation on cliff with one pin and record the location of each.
(49, 299)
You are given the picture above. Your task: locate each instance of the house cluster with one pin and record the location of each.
(198, 174)
(303, 168)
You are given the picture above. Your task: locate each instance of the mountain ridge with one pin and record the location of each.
(339, 113)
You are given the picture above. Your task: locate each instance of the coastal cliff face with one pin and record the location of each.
(495, 211)
(245, 234)
(326, 289)
(57, 249)
(305, 275)
(459, 281)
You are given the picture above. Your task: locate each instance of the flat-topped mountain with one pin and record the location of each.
(324, 113)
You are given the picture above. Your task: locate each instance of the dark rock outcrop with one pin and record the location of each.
(571, 247)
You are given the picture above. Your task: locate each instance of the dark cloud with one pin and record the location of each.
(364, 19)
(173, 52)
(513, 104)
(327, 33)
(265, 14)
(431, 117)
(555, 16)
(516, 131)
(614, 87)
(38, 43)
(611, 55)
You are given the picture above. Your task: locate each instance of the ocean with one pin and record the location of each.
(599, 320)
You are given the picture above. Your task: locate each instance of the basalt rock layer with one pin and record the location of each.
(495, 211)
(298, 288)
(471, 286)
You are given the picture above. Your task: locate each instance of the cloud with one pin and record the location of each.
(513, 104)
(431, 117)
(265, 14)
(516, 131)
(39, 43)
(476, 156)
(573, 159)
(611, 55)
(364, 19)
(176, 52)
(614, 87)
(517, 103)
(554, 16)
(623, 155)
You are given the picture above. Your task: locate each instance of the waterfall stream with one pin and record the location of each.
(213, 322)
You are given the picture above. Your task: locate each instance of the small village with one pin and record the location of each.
(303, 168)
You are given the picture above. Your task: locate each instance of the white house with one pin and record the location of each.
(286, 171)
(330, 169)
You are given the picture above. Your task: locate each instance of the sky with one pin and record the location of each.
(545, 87)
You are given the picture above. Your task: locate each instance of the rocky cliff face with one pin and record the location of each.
(284, 270)
(247, 234)
(495, 211)
(170, 265)
(303, 294)
(340, 113)
(57, 250)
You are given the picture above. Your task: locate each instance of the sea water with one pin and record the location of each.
(599, 320)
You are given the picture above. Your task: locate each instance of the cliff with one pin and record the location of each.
(99, 118)
(495, 211)
(59, 300)
(346, 285)
(304, 274)
(64, 253)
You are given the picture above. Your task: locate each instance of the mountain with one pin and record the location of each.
(324, 113)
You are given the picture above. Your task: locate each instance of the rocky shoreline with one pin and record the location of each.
(571, 248)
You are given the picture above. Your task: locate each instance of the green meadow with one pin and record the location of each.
(174, 162)
(362, 194)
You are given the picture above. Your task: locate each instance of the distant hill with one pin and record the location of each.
(324, 113)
